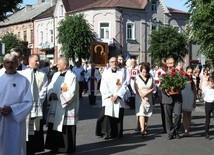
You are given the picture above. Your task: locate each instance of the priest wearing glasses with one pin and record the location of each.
(113, 90)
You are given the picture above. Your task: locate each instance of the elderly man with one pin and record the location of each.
(39, 83)
(15, 105)
(63, 94)
(18, 52)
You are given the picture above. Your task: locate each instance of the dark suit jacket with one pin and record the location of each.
(166, 99)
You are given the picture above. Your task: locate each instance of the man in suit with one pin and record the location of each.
(172, 104)
(39, 83)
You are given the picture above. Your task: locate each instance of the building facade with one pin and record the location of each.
(125, 25)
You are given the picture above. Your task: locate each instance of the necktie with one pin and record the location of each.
(34, 86)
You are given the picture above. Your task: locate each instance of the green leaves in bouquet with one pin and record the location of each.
(173, 80)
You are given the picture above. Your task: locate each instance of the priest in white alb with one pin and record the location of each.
(15, 105)
(63, 96)
(113, 90)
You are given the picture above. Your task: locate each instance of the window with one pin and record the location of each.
(61, 10)
(154, 5)
(25, 36)
(41, 37)
(51, 36)
(31, 37)
(104, 30)
(130, 31)
(154, 27)
(19, 35)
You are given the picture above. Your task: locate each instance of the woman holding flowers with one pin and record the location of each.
(144, 86)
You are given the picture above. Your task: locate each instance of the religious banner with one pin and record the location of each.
(99, 53)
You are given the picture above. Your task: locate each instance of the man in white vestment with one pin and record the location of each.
(39, 83)
(63, 95)
(15, 105)
(92, 77)
(113, 90)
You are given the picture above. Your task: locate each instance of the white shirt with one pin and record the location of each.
(208, 95)
(77, 71)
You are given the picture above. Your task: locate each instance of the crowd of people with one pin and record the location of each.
(33, 95)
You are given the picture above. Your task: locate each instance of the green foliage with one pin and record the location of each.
(75, 35)
(202, 26)
(11, 41)
(167, 42)
(7, 6)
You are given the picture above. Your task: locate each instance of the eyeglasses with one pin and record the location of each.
(10, 62)
(112, 61)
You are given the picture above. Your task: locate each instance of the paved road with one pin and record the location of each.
(155, 143)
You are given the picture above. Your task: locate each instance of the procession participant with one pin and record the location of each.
(19, 53)
(209, 104)
(92, 77)
(161, 70)
(172, 103)
(188, 101)
(63, 95)
(39, 83)
(112, 91)
(79, 71)
(15, 105)
(144, 86)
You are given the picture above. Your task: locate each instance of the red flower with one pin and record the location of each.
(165, 69)
(156, 81)
(162, 75)
(159, 73)
(172, 73)
(173, 70)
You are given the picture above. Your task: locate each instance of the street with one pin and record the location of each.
(155, 143)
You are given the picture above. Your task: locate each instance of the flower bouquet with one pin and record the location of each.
(173, 81)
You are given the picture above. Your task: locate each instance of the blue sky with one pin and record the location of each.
(177, 4)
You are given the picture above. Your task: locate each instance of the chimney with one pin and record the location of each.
(28, 7)
(53, 2)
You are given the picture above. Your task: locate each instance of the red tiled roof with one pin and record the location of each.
(132, 4)
(75, 4)
(172, 10)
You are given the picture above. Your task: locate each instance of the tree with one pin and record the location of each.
(8, 6)
(201, 29)
(75, 35)
(167, 42)
(11, 41)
